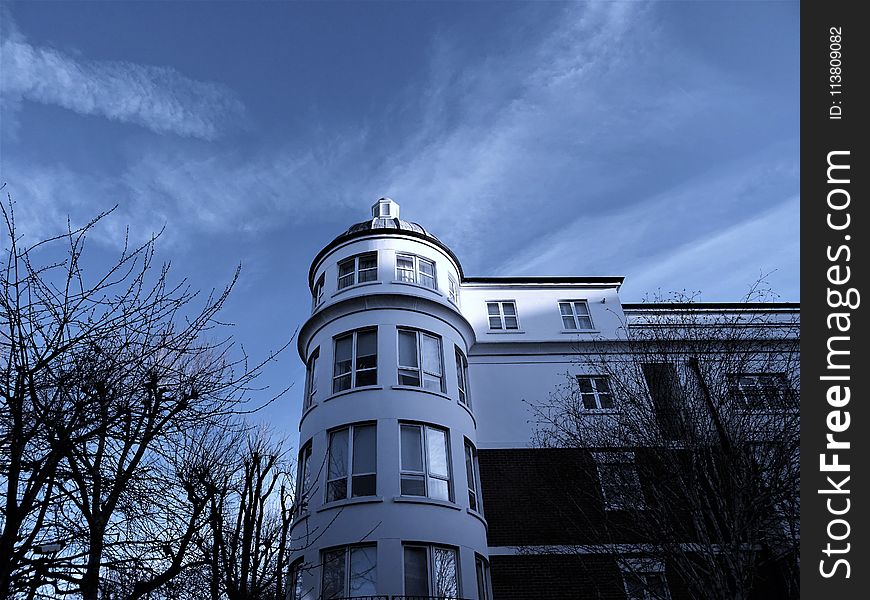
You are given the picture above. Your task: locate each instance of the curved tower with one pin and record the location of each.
(391, 503)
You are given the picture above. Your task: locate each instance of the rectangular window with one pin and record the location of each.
(575, 315)
(350, 572)
(317, 292)
(452, 289)
(431, 571)
(472, 475)
(356, 360)
(425, 462)
(352, 463)
(484, 587)
(502, 315)
(595, 392)
(420, 362)
(303, 478)
(666, 393)
(645, 586)
(415, 269)
(295, 581)
(620, 484)
(358, 269)
(462, 377)
(761, 391)
(311, 379)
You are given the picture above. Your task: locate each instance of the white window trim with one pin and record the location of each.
(420, 368)
(430, 566)
(452, 289)
(606, 459)
(501, 316)
(353, 357)
(424, 441)
(355, 273)
(596, 393)
(347, 550)
(416, 270)
(318, 291)
(474, 485)
(575, 316)
(311, 379)
(348, 477)
(462, 377)
(303, 491)
(741, 395)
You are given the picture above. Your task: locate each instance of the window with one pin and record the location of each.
(452, 289)
(484, 587)
(415, 269)
(420, 363)
(666, 392)
(575, 315)
(303, 478)
(595, 392)
(645, 586)
(761, 391)
(431, 571)
(472, 475)
(502, 315)
(620, 485)
(356, 360)
(350, 572)
(295, 581)
(358, 269)
(317, 292)
(462, 377)
(352, 466)
(311, 379)
(425, 468)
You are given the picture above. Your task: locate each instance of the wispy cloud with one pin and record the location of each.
(158, 98)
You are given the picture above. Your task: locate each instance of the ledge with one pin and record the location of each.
(352, 390)
(351, 501)
(353, 287)
(414, 388)
(305, 413)
(504, 331)
(579, 331)
(299, 519)
(470, 414)
(477, 516)
(434, 290)
(426, 500)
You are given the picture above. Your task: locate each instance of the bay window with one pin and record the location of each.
(420, 363)
(352, 464)
(425, 461)
(356, 360)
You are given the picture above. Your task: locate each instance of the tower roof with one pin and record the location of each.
(385, 216)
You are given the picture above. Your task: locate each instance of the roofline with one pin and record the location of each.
(712, 305)
(346, 237)
(607, 279)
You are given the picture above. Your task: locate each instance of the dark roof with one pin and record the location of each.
(556, 279)
(712, 305)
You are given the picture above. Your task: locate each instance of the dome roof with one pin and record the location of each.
(385, 216)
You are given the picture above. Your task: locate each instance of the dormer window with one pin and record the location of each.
(358, 269)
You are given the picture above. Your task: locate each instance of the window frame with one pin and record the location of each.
(502, 315)
(462, 377)
(420, 369)
(482, 576)
(645, 587)
(472, 476)
(625, 462)
(303, 478)
(595, 394)
(415, 270)
(575, 315)
(318, 291)
(452, 289)
(350, 475)
(431, 569)
(346, 550)
(310, 379)
(426, 474)
(295, 591)
(784, 402)
(354, 358)
(355, 274)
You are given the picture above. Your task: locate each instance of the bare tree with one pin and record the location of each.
(690, 425)
(102, 380)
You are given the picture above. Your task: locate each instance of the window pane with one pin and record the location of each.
(368, 261)
(482, 588)
(432, 383)
(412, 449)
(431, 354)
(364, 485)
(408, 349)
(337, 454)
(439, 489)
(333, 574)
(585, 384)
(589, 401)
(343, 358)
(446, 582)
(584, 322)
(511, 323)
(407, 377)
(366, 349)
(581, 308)
(492, 308)
(509, 308)
(416, 573)
(363, 576)
(606, 400)
(436, 448)
(568, 323)
(364, 449)
(495, 323)
(412, 485)
(336, 490)
(565, 308)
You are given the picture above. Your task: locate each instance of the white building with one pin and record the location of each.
(416, 370)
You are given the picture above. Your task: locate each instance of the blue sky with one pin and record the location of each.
(658, 141)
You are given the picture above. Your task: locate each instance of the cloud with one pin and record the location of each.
(158, 98)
